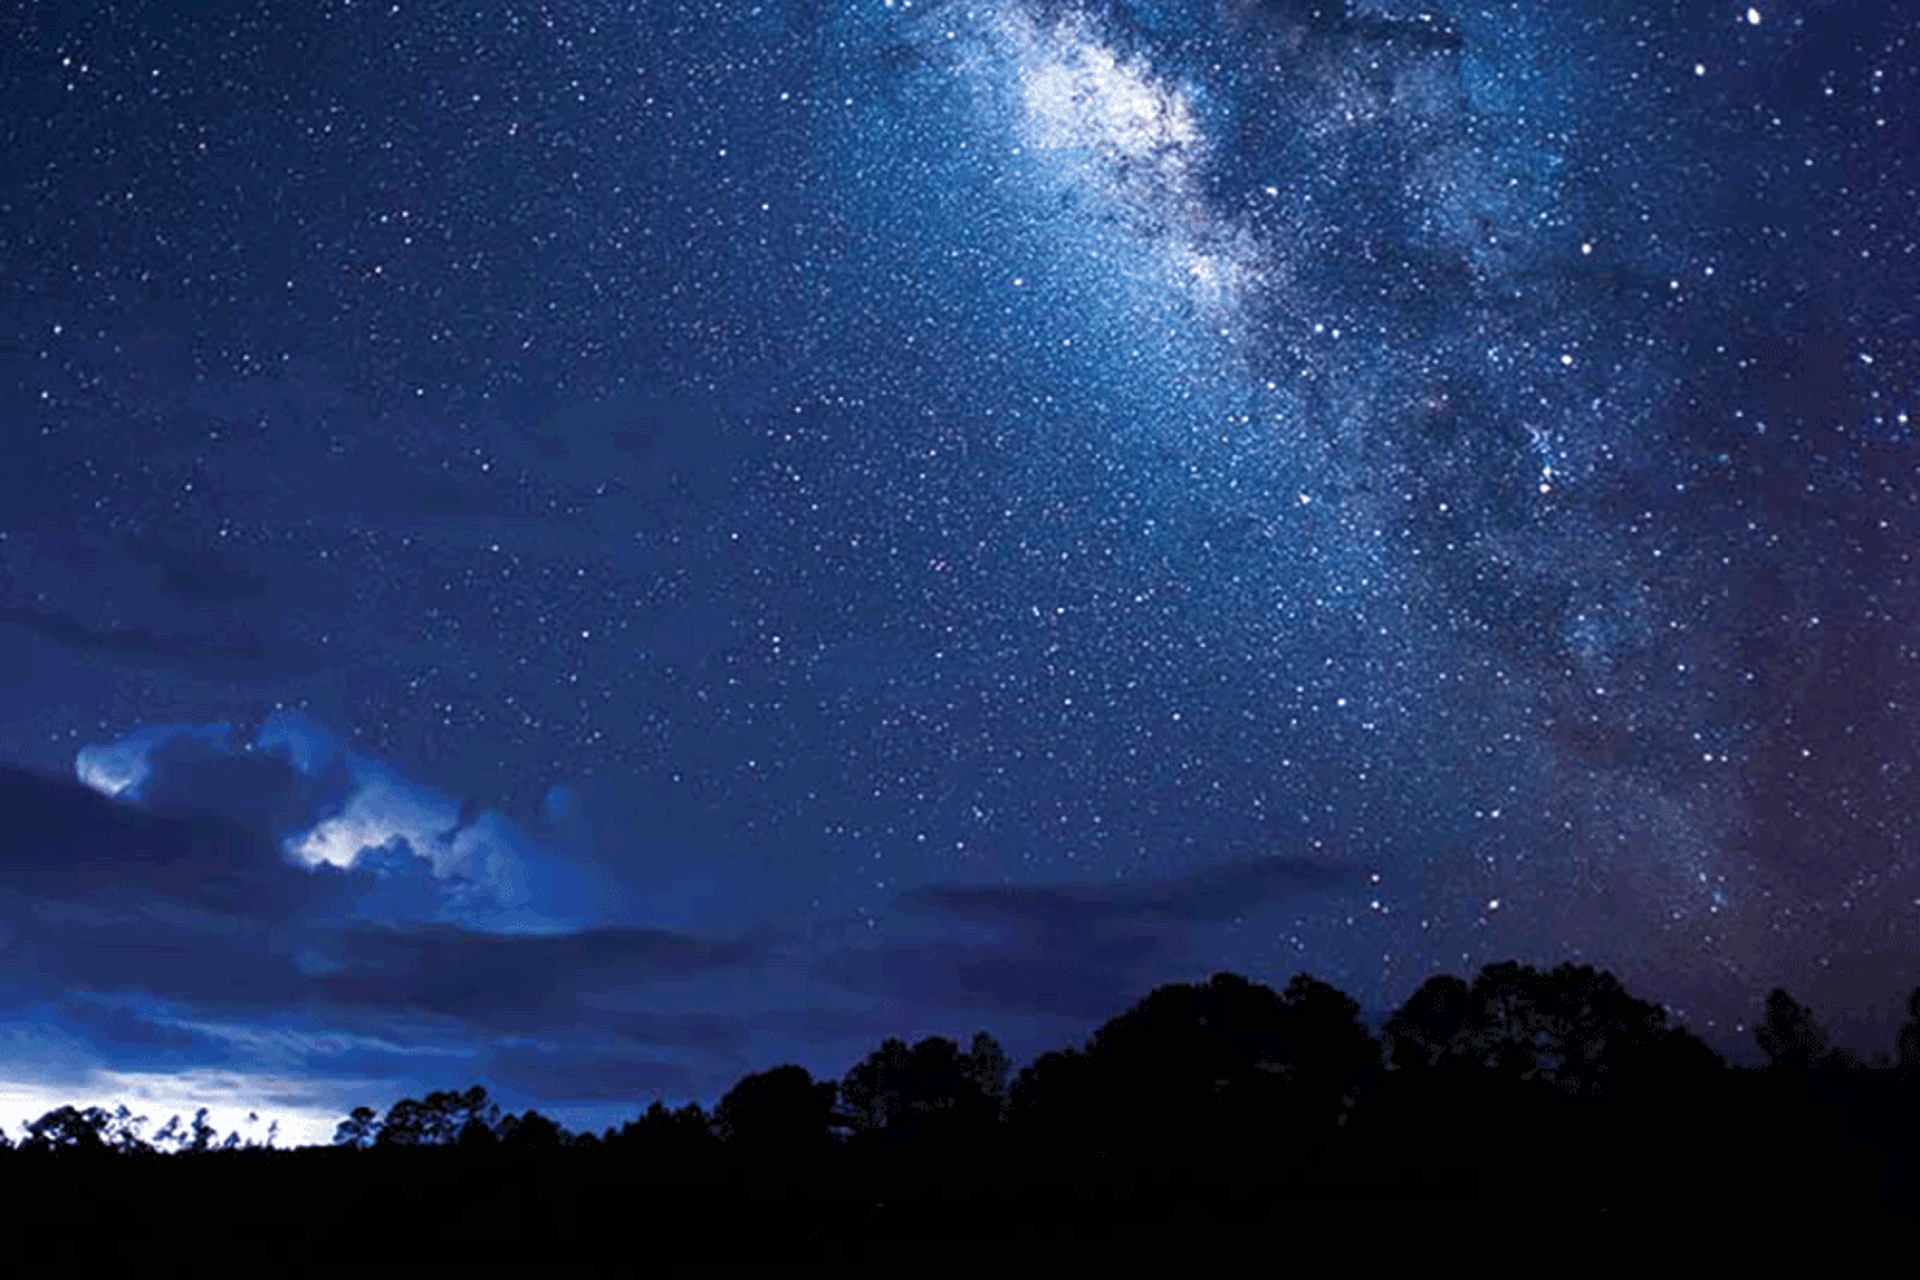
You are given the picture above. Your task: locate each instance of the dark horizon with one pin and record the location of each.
(1216, 1119)
(1557, 1005)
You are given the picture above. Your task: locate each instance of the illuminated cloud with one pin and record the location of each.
(485, 872)
(121, 769)
(382, 811)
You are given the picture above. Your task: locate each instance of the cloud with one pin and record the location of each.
(1209, 895)
(328, 806)
(173, 607)
(40, 1051)
(650, 861)
(825, 1025)
(1060, 975)
(1069, 951)
(64, 842)
(344, 976)
(306, 1112)
(143, 953)
(195, 769)
(150, 940)
(587, 1075)
(380, 813)
(295, 873)
(193, 575)
(202, 894)
(120, 1033)
(507, 979)
(1104, 976)
(234, 645)
(123, 767)
(707, 1033)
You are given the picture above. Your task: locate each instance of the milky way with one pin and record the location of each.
(1517, 499)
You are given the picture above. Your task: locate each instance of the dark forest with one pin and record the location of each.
(1205, 1120)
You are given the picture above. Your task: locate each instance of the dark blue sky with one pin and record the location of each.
(597, 548)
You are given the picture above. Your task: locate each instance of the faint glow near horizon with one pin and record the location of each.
(121, 768)
(160, 1096)
(486, 862)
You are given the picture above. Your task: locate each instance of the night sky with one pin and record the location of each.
(595, 548)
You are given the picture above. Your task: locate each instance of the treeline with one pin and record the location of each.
(1554, 1094)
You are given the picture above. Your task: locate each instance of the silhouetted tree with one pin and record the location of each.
(122, 1131)
(1906, 1047)
(531, 1131)
(1507, 1000)
(782, 1114)
(69, 1129)
(987, 1066)
(477, 1134)
(1573, 1027)
(361, 1128)
(1331, 1058)
(459, 1111)
(667, 1146)
(437, 1120)
(405, 1124)
(869, 1092)
(660, 1127)
(236, 1141)
(1231, 1069)
(931, 1092)
(1518, 1058)
(1434, 1028)
(1183, 1043)
(1552, 1090)
(1044, 1090)
(203, 1133)
(1587, 1029)
(1789, 1036)
(1058, 1118)
(1676, 1056)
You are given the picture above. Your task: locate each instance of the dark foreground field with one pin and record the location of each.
(358, 1215)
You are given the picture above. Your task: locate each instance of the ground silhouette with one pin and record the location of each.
(1219, 1115)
